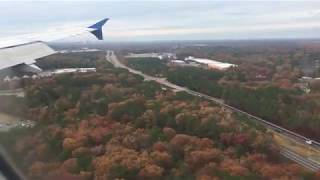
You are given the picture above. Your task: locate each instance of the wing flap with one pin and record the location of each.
(26, 53)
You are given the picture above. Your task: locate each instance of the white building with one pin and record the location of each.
(210, 63)
(7, 79)
(34, 76)
(178, 61)
(183, 63)
(25, 77)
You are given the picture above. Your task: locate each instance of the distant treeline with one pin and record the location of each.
(70, 60)
(151, 66)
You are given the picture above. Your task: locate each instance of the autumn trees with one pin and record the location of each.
(71, 60)
(151, 66)
(111, 124)
(265, 82)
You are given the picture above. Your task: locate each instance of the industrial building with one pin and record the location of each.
(211, 64)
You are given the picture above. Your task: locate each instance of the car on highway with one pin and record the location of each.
(278, 130)
(309, 141)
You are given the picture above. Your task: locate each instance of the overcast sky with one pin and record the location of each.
(169, 20)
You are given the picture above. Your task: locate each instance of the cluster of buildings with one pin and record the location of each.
(304, 83)
(188, 61)
(50, 73)
(152, 55)
(67, 70)
(79, 50)
(5, 126)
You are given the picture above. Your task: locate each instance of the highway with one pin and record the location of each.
(309, 164)
(313, 166)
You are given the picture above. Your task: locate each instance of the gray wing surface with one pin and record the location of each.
(24, 54)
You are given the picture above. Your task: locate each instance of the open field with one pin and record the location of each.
(5, 118)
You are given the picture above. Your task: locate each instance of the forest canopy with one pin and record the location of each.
(111, 124)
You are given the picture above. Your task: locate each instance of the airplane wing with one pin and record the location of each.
(27, 48)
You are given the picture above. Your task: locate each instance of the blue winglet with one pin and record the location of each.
(98, 28)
